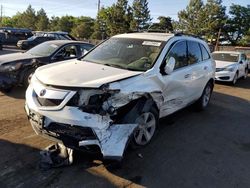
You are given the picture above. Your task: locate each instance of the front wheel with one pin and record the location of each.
(27, 77)
(147, 124)
(246, 74)
(235, 78)
(203, 101)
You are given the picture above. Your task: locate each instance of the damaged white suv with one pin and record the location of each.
(117, 92)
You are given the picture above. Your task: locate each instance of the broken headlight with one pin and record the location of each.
(95, 104)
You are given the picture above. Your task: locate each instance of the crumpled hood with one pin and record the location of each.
(15, 57)
(76, 73)
(223, 64)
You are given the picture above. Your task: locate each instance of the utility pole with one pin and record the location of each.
(99, 5)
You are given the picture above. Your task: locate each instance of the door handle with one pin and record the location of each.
(205, 68)
(187, 76)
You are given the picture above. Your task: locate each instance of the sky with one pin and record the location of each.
(89, 7)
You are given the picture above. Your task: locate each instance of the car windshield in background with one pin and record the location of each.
(126, 53)
(44, 49)
(226, 57)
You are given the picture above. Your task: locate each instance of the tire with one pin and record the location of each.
(204, 100)
(27, 77)
(148, 122)
(7, 90)
(246, 74)
(235, 79)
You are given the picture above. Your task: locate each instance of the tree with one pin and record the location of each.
(113, 20)
(141, 15)
(191, 19)
(165, 23)
(214, 18)
(100, 26)
(27, 19)
(42, 23)
(83, 27)
(238, 23)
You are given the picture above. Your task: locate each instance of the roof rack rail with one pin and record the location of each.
(186, 34)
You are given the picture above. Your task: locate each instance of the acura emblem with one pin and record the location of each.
(42, 92)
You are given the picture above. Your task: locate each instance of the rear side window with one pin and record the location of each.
(179, 53)
(194, 53)
(205, 54)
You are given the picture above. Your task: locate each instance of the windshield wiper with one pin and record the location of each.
(114, 65)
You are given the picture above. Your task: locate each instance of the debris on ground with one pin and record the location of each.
(56, 155)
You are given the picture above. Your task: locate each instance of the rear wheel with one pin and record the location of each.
(147, 124)
(246, 74)
(203, 101)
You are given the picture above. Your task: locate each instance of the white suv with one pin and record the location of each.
(117, 92)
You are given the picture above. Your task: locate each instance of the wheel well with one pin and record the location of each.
(211, 81)
(22, 74)
(127, 113)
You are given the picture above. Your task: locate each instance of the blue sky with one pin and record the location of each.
(89, 7)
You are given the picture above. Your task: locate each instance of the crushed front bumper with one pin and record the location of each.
(76, 129)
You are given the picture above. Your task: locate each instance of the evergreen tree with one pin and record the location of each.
(238, 23)
(42, 23)
(191, 19)
(214, 18)
(141, 15)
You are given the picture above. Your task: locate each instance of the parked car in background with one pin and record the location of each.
(118, 91)
(41, 37)
(17, 68)
(230, 66)
(32, 41)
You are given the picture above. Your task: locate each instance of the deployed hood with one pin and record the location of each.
(8, 58)
(76, 73)
(223, 64)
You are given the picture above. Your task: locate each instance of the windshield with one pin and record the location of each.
(44, 49)
(226, 57)
(124, 53)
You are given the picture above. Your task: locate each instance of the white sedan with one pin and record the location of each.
(230, 66)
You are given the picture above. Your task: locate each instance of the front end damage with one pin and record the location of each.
(101, 118)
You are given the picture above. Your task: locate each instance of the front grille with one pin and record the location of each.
(74, 132)
(224, 78)
(48, 102)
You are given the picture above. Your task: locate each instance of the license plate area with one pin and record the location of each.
(37, 118)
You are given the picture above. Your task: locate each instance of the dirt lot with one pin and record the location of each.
(207, 149)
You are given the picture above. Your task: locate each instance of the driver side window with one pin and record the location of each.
(179, 53)
(67, 52)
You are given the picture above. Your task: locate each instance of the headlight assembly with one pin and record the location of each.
(230, 68)
(10, 67)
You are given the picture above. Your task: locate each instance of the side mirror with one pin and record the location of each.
(169, 66)
(241, 62)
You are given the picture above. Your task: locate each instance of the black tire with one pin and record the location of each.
(143, 135)
(246, 74)
(204, 100)
(235, 79)
(27, 76)
(7, 89)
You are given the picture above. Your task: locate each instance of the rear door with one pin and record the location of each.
(199, 62)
